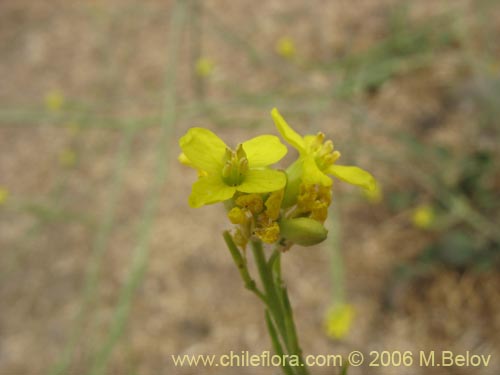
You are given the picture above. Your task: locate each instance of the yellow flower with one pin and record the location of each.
(4, 194)
(423, 216)
(226, 171)
(285, 47)
(67, 158)
(338, 321)
(204, 67)
(54, 100)
(317, 159)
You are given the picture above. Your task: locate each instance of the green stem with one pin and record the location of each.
(274, 266)
(279, 304)
(241, 264)
(291, 330)
(274, 304)
(276, 343)
(273, 258)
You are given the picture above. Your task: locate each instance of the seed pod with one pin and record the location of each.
(303, 231)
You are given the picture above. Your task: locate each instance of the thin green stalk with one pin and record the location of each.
(268, 284)
(276, 343)
(279, 304)
(291, 330)
(241, 264)
(275, 267)
(196, 47)
(98, 251)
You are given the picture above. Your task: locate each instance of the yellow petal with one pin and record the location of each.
(264, 150)
(374, 196)
(311, 174)
(262, 181)
(353, 175)
(203, 149)
(208, 190)
(183, 159)
(290, 135)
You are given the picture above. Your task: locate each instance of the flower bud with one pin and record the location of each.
(303, 231)
(293, 174)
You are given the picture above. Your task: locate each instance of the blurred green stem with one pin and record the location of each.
(196, 48)
(98, 251)
(140, 252)
(336, 261)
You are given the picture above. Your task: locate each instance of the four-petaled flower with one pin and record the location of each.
(317, 159)
(223, 171)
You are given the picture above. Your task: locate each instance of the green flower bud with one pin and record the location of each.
(303, 231)
(293, 174)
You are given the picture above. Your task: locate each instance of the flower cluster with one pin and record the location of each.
(276, 206)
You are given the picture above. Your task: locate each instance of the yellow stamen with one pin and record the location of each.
(235, 166)
(240, 239)
(270, 233)
(237, 216)
(273, 204)
(252, 202)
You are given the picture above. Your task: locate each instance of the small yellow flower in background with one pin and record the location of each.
(375, 195)
(226, 171)
(67, 158)
(338, 321)
(423, 216)
(317, 159)
(285, 47)
(4, 194)
(204, 67)
(54, 100)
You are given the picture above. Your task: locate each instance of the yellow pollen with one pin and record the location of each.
(270, 233)
(237, 216)
(318, 141)
(273, 204)
(314, 200)
(252, 202)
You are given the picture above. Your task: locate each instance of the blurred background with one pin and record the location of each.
(106, 270)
